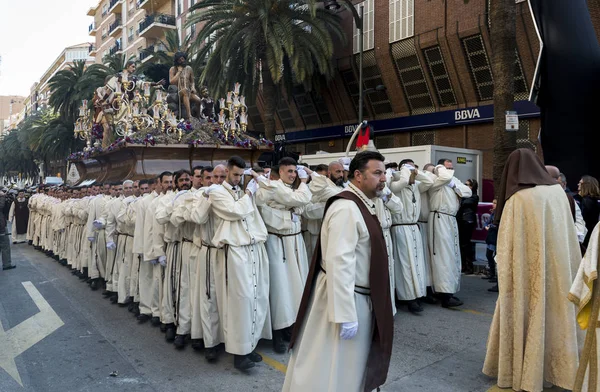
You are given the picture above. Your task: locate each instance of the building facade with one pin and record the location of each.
(10, 106)
(434, 59)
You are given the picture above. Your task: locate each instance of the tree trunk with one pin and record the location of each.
(269, 93)
(503, 39)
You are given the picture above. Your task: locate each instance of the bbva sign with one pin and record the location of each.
(466, 114)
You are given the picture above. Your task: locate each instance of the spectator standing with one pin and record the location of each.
(490, 241)
(588, 199)
(467, 221)
(4, 240)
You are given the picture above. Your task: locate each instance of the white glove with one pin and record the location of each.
(349, 330)
(409, 166)
(302, 174)
(91, 239)
(177, 196)
(248, 172)
(345, 161)
(210, 189)
(252, 187)
(162, 260)
(154, 261)
(97, 225)
(295, 218)
(580, 237)
(111, 245)
(451, 184)
(300, 167)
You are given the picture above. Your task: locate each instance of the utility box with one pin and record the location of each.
(467, 163)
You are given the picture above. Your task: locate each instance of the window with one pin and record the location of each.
(412, 76)
(402, 19)
(379, 100)
(178, 7)
(479, 65)
(285, 114)
(523, 137)
(439, 75)
(306, 107)
(192, 31)
(521, 88)
(422, 138)
(368, 26)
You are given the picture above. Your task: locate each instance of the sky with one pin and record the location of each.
(33, 33)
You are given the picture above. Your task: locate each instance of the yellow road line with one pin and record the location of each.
(275, 364)
(476, 312)
(496, 388)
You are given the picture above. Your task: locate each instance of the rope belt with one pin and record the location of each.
(125, 234)
(405, 224)
(422, 222)
(206, 244)
(281, 236)
(357, 289)
(208, 265)
(186, 240)
(437, 213)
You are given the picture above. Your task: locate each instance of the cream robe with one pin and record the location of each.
(410, 268)
(187, 264)
(82, 212)
(384, 213)
(32, 215)
(97, 267)
(443, 230)
(323, 361)
(288, 262)
(533, 336)
(134, 268)
(154, 249)
(424, 228)
(141, 234)
(172, 238)
(244, 268)
(322, 188)
(124, 256)
(205, 297)
(109, 219)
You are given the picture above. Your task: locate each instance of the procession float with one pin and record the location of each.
(135, 129)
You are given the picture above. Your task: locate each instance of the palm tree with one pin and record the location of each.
(266, 44)
(65, 90)
(504, 44)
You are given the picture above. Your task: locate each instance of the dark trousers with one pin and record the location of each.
(491, 262)
(5, 250)
(465, 232)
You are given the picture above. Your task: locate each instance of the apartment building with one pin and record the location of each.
(131, 27)
(434, 59)
(10, 106)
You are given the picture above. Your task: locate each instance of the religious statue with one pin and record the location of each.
(182, 75)
(207, 105)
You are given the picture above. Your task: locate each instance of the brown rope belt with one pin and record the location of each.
(405, 224)
(281, 236)
(357, 289)
(208, 248)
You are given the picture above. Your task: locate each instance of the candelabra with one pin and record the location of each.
(233, 113)
(83, 125)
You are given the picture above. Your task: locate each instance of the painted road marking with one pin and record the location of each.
(20, 338)
(476, 312)
(275, 364)
(496, 388)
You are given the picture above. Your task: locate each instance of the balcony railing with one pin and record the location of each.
(91, 48)
(148, 52)
(156, 18)
(113, 3)
(115, 25)
(91, 28)
(116, 48)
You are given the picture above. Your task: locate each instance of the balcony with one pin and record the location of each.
(91, 11)
(116, 48)
(92, 50)
(151, 5)
(147, 54)
(115, 28)
(92, 30)
(115, 7)
(154, 26)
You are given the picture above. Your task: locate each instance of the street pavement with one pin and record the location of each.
(79, 339)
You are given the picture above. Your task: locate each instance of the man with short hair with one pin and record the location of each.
(445, 194)
(281, 207)
(242, 266)
(322, 169)
(125, 227)
(577, 216)
(343, 336)
(197, 177)
(410, 270)
(96, 234)
(19, 217)
(207, 176)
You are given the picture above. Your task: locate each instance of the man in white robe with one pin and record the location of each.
(424, 229)
(288, 262)
(346, 308)
(243, 266)
(410, 270)
(125, 228)
(444, 200)
(97, 235)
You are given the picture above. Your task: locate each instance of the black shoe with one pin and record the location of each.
(241, 362)
(211, 354)
(8, 267)
(429, 300)
(179, 341)
(155, 321)
(170, 333)
(414, 307)
(255, 357)
(198, 344)
(106, 293)
(493, 289)
(163, 327)
(451, 302)
(279, 345)
(64, 262)
(136, 309)
(114, 299)
(131, 307)
(30, 242)
(142, 318)
(94, 285)
(287, 334)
